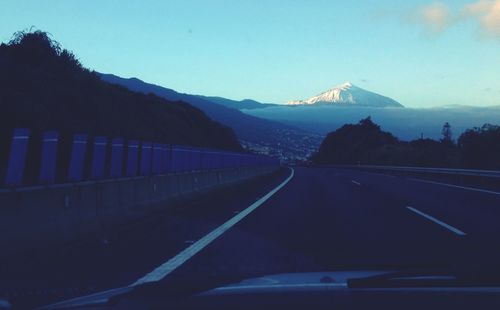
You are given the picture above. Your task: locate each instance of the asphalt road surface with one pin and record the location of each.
(320, 219)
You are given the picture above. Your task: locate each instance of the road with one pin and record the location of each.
(322, 219)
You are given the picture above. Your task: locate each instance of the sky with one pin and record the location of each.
(420, 53)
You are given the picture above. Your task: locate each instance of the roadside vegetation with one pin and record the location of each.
(45, 87)
(366, 143)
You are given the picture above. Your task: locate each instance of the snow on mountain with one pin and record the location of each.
(349, 94)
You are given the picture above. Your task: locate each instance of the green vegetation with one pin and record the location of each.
(480, 147)
(365, 143)
(44, 87)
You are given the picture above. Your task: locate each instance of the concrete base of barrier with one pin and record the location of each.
(45, 217)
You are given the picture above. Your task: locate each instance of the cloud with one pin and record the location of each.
(435, 17)
(487, 14)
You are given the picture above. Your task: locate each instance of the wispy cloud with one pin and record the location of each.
(487, 14)
(435, 17)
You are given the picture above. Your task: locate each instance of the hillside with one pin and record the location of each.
(44, 87)
(240, 105)
(270, 137)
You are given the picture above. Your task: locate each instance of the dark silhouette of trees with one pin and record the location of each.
(366, 143)
(352, 144)
(447, 134)
(480, 147)
(44, 87)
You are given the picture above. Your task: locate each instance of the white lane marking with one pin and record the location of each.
(356, 182)
(277, 286)
(96, 299)
(456, 186)
(173, 263)
(270, 280)
(435, 220)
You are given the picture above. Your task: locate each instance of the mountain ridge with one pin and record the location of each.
(261, 135)
(248, 104)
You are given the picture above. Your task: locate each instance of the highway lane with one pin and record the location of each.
(475, 213)
(324, 219)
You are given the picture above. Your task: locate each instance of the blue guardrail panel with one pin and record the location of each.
(49, 157)
(164, 159)
(116, 169)
(170, 158)
(175, 159)
(17, 157)
(77, 160)
(156, 159)
(146, 153)
(132, 158)
(98, 157)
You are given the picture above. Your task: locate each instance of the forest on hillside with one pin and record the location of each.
(45, 87)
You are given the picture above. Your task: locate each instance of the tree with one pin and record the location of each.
(480, 147)
(447, 134)
(354, 143)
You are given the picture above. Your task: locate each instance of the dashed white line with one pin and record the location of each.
(356, 182)
(169, 266)
(456, 186)
(435, 220)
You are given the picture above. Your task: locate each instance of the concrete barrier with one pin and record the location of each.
(45, 217)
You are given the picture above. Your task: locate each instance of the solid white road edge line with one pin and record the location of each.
(456, 186)
(356, 182)
(166, 268)
(435, 220)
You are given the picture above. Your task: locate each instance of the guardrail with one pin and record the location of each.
(448, 171)
(50, 159)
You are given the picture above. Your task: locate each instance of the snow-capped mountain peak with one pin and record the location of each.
(349, 94)
(345, 85)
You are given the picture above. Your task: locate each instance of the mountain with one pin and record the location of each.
(240, 105)
(265, 136)
(349, 94)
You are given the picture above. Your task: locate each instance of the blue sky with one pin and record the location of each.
(421, 53)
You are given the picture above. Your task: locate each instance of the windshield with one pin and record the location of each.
(195, 144)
